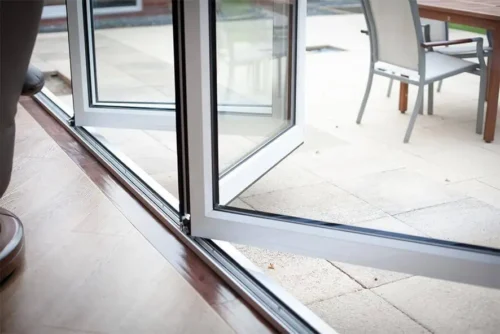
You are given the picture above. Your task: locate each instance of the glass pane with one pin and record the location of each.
(51, 52)
(253, 76)
(134, 62)
(133, 55)
(444, 185)
(151, 154)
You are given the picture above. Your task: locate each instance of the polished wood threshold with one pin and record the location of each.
(240, 317)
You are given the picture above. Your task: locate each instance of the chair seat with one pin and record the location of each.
(439, 66)
(462, 51)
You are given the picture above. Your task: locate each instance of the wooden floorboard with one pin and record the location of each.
(88, 270)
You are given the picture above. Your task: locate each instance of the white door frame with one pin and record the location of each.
(88, 112)
(198, 81)
(361, 246)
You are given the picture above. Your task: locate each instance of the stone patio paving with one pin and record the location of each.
(444, 184)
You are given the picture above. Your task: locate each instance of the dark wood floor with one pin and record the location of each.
(88, 270)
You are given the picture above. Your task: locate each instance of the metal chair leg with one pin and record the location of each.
(421, 109)
(415, 113)
(389, 90)
(481, 101)
(365, 98)
(487, 74)
(440, 85)
(430, 100)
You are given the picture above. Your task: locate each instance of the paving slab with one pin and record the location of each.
(445, 307)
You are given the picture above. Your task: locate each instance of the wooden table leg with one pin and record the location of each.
(493, 87)
(403, 97)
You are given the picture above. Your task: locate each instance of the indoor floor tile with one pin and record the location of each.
(87, 269)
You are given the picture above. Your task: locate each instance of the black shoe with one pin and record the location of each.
(33, 82)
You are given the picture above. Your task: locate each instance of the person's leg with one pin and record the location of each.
(19, 21)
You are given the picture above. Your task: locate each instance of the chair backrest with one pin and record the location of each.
(395, 32)
(438, 30)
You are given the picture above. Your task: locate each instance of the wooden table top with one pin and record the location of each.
(484, 9)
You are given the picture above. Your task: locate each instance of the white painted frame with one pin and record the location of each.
(199, 113)
(365, 247)
(59, 11)
(114, 115)
(90, 112)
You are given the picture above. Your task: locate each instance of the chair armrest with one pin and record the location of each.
(453, 42)
(477, 40)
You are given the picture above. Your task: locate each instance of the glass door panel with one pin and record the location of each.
(255, 79)
(132, 64)
(122, 76)
(312, 205)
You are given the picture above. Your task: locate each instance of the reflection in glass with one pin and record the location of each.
(134, 62)
(133, 55)
(253, 75)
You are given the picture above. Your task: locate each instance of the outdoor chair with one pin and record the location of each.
(439, 31)
(399, 51)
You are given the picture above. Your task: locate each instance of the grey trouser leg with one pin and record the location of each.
(19, 21)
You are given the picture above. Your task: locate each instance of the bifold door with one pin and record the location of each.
(213, 215)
